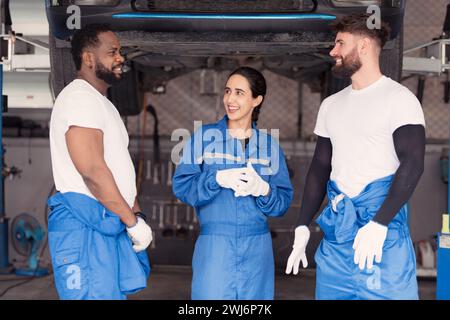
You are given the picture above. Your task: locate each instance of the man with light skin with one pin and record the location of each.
(93, 171)
(368, 160)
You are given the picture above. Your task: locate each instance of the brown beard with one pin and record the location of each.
(349, 65)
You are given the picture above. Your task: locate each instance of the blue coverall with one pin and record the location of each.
(337, 276)
(233, 256)
(92, 255)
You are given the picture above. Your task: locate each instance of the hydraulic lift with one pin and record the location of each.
(5, 266)
(27, 15)
(433, 59)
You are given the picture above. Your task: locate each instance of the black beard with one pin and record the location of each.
(106, 75)
(348, 66)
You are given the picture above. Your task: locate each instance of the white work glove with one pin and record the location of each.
(369, 244)
(140, 234)
(231, 178)
(255, 185)
(299, 250)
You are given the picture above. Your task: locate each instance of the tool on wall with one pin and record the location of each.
(153, 211)
(168, 229)
(180, 230)
(175, 218)
(169, 173)
(183, 231)
(148, 175)
(155, 174)
(161, 216)
(156, 149)
(163, 173)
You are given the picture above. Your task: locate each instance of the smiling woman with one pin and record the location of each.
(234, 190)
(243, 97)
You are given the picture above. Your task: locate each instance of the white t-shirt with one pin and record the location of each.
(360, 124)
(80, 104)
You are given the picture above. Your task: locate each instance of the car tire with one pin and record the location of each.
(392, 58)
(391, 62)
(332, 84)
(63, 69)
(125, 96)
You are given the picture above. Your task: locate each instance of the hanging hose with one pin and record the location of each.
(156, 149)
(141, 150)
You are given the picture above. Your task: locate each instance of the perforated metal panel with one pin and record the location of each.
(183, 103)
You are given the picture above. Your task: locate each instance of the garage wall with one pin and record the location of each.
(184, 102)
(27, 193)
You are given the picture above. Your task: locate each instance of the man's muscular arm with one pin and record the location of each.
(85, 147)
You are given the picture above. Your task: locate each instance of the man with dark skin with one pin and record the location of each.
(101, 67)
(89, 142)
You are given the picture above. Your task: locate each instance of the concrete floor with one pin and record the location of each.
(173, 282)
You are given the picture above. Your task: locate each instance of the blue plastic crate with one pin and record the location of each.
(443, 267)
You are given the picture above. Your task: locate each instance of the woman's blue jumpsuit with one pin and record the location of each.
(233, 256)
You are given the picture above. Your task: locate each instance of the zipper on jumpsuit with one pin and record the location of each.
(242, 154)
